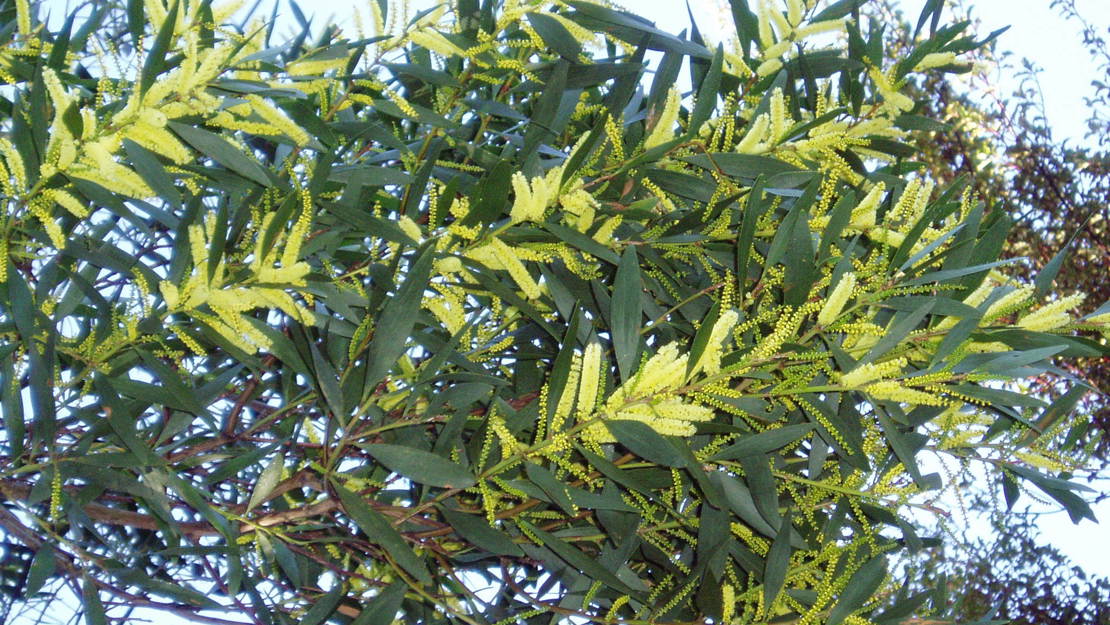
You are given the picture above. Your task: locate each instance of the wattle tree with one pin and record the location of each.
(475, 315)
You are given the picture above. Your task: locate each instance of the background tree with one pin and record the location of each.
(1056, 192)
(454, 320)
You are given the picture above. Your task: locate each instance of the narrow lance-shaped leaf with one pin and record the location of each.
(627, 312)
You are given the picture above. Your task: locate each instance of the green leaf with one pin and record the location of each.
(861, 587)
(1043, 282)
(801, 270)
(583, 242)
(572, 556)
(626, 313)
(897, 330)
(383, 608)
(151, 170)
(555, 35)
(840, 215)
(42, 568)
(757, 473)
(837, 10)
(713, 538)
(588, 14)
(90, 603)
(542, 124)
(358, 176)
(267, 481)
(489, 196)
(778, 563)
(553, 487)
(1059, 408)
(945, 275)
(745, 166)
(397, 319)
(706, 100)
(764, 442)
(421, 466)
(479, 533)
(903, 446)
(740, 500)
(645, 442)
(222, 151)
(752, 211)
(156, 56)
(379, 531)
(683, 185)
(324, 606)
(136, 21)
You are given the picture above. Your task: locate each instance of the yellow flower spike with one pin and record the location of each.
(976, 347)
(158, 140)
(221, 13)
(903, 208)
(23, 17)
(663, 131)
(766, 35)
(604, 234)
(869, 372)
(836, 300)
(710, 360)
(768, 67)
(522, 209)
(777, 50)
(498, 255)
(662, 372)
(1103, 319)
(936, 59)
(979, 295)
(1008, 303)
(15, 164)
(779, 118)
(566, 400)
(198, 244)
(894, 391)
(448, 265)
(734, 64)
(58, 96)
(892, 98)
(794, 11)
(259, 256)
(410, 228)
(782, 25)
(67, 201)
(582, 206)
(315, 67)
(670, 417)
(533, 197)
(278, 120)
(817, 28)
(921, 201)
(753, 141)
(576, 30)
(1051, 316)
(677, 410)
(728, 604)
(591, 378)
(113, 177)
(170, 294)
(156, 9)
(436, 42)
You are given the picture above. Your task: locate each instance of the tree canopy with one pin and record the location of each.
(474, 315)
